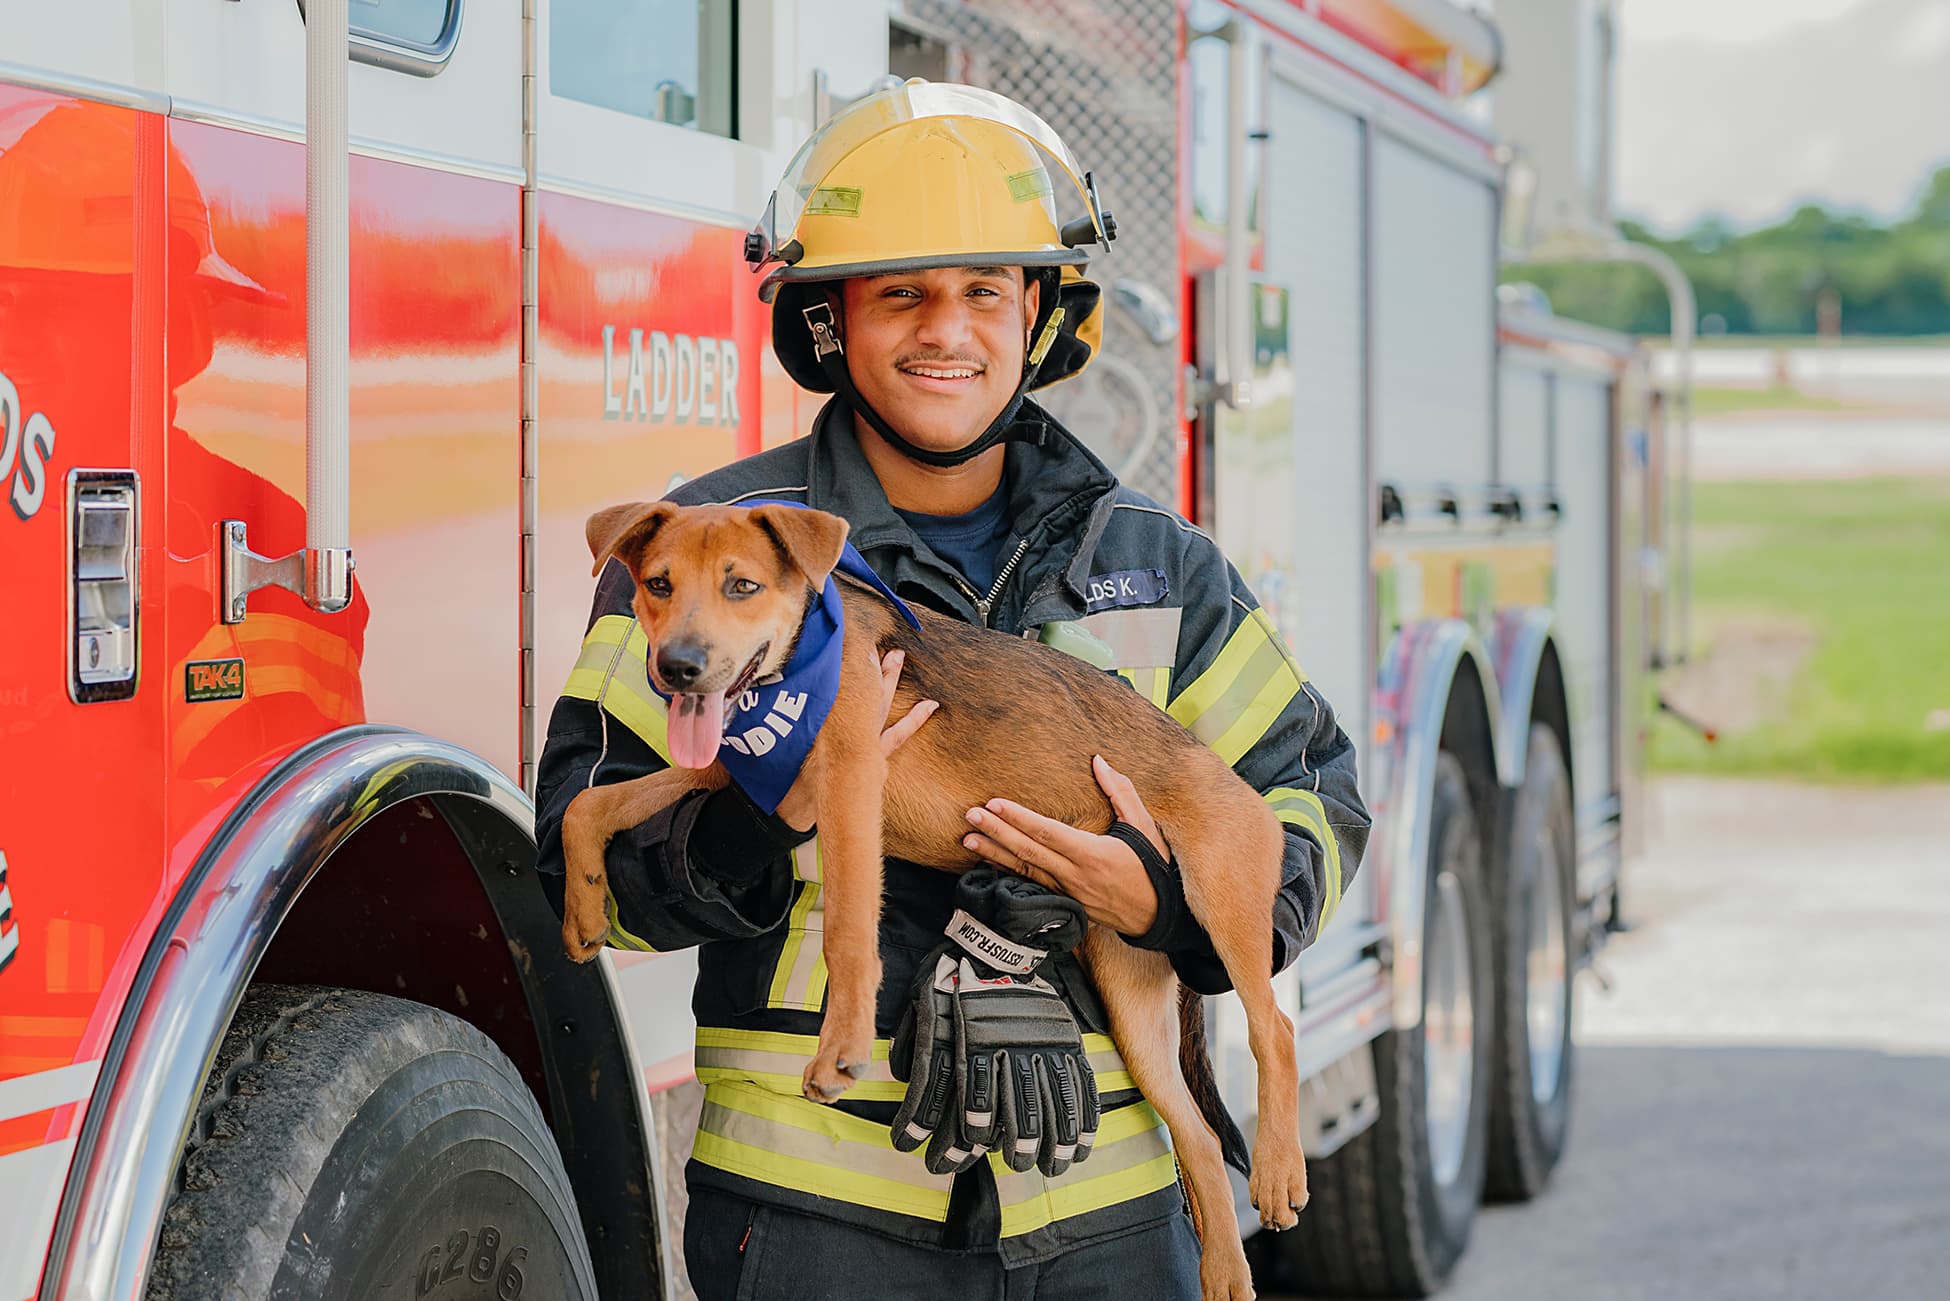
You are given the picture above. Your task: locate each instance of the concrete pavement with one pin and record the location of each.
(1763, 1107)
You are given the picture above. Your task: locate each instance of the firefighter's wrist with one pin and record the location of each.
(1162, 873)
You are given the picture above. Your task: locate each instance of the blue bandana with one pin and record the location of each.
(774, 723)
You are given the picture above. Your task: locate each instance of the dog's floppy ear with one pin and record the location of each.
(623, 531)
(810, 539)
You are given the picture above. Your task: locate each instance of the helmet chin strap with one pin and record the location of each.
(823, 320)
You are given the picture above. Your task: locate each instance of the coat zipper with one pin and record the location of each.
(984, 604)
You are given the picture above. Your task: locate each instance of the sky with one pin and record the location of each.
(1747, 108)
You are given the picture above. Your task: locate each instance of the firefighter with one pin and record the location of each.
(918, 272)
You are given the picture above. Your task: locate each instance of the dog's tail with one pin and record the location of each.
(1195, 1062)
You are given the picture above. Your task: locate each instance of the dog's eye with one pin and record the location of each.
(743, 587)
(658, 586)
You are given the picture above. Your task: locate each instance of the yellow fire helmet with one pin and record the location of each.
(926, 175)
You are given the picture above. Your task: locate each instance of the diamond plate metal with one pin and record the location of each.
(1104, 74)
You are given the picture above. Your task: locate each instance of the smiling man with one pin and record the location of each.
(918, 272)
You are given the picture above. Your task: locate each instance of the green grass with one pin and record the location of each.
(1864, 566)
(1732, 401)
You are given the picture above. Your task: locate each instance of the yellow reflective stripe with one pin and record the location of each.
(1105, 1063)
(610, 671)
(777, 1061)
(601, 666)
(799, 980)
(1231, 705)
(1303, 809)
(1132, 1158)
(619, 937)
(756, 1124)
(784, 1075)
(792, 1143)
(1153, 684)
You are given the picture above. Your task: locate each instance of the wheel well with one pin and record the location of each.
(399, 909)
(1466, 734)
(1549, 705)
(436, 900)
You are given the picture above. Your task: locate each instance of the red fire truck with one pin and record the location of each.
(315, 354)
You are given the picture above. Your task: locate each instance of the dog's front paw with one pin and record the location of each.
(585, 922)
(835, 1067)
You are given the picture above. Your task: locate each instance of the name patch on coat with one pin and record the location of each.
(1125, 587)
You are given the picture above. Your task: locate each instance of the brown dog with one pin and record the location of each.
(721, 593)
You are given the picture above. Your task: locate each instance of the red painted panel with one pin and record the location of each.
(432, 639)
(654, 367)
(152, 317)
(82, 246)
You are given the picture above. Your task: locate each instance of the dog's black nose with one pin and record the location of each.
(680, 664)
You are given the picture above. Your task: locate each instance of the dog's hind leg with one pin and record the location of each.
(588, 825)
(1140, 994)
(1231, 887)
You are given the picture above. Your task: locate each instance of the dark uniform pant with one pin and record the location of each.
(742, 1251)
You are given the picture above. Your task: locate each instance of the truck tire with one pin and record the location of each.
(1390, 1213)
(1533, 947)
(350, 1145)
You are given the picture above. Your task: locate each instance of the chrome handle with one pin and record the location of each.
(103, 585)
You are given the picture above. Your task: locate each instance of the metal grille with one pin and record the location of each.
(1104, 74)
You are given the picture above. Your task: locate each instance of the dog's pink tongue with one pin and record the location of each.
(696, 728)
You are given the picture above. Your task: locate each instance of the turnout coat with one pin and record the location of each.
(715, 872)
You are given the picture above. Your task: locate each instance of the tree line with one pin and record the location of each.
(1815, 272)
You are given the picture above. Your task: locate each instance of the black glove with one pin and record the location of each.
(990, 1053)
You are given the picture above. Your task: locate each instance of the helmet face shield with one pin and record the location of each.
(925, 174)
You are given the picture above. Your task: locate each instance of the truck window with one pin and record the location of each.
(415, 36)
(669, 61)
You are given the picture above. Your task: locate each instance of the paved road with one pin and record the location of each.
(1764, 1104)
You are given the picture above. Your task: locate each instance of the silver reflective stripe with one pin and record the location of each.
(1145, 638)
(1112, 1158)
(1268, 659)
(781, 1139)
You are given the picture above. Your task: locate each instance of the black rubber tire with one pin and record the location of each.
(1527, 1138)
(1376, 1223)
(353, 1146)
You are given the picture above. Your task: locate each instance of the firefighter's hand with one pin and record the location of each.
(1100, 872)
(796, 809)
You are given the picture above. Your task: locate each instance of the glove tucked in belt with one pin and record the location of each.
(990, 1053)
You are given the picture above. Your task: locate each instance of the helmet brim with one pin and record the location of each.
(798, 274)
